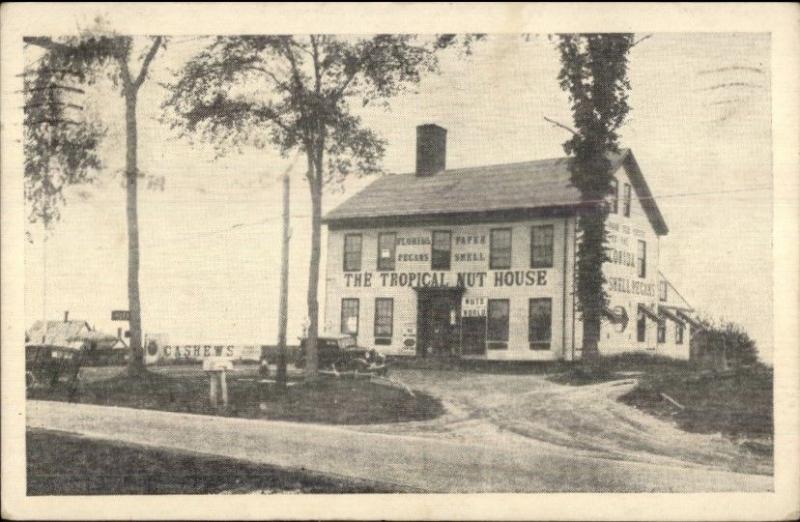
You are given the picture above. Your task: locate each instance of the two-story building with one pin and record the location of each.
(480, 262)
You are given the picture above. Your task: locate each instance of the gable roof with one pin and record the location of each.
(527, 185)
(58, 333)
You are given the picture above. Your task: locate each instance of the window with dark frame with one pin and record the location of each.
(542, 246)
(350, 316)
(540, 315)
(678, 333)
(387, 243)
(497, 324)
(641, 326)
(626, 203)
(384, 319)
(661, 332)
(500, 248)
(641, 258)
(441, 247)
(613, 205)
(662, 290)
(352, 252)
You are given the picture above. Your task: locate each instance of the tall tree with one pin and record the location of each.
(594, 71)
(295, 92)
(84, 58)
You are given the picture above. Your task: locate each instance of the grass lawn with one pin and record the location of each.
(328, 400)
(64, 464)
(737, 404)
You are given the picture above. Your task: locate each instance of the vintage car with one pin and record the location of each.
(47, 365)
(341, 353)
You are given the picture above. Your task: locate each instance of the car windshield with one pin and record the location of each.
(346, 342)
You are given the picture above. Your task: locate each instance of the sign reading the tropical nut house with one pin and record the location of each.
(495, 278)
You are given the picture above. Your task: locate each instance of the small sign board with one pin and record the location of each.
(120, 315)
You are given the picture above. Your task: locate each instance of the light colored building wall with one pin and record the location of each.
(624, 286)
(470, 259)
(413, 256)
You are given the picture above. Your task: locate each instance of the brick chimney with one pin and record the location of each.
(66, 315)
(431, 149)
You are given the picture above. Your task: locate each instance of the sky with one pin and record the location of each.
(210, 257)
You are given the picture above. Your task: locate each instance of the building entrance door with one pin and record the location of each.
(438, 323)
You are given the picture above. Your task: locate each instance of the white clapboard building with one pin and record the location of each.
(480, 262)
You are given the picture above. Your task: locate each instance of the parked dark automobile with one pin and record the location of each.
(341, 353)
(47, 365)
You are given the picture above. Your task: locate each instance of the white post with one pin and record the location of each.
(212, 395)
(223, 385)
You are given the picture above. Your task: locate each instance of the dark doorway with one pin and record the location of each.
(438, 322)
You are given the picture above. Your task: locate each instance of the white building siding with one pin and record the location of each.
(470, 257)
(628, 290)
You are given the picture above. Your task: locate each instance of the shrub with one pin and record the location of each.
(724, 343)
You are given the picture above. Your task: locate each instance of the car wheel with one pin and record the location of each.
(359, 365)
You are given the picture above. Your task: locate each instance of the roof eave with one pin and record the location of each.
(421, 219)
(645, 194)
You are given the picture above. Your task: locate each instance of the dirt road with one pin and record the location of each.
(524, 410)
(420, 463)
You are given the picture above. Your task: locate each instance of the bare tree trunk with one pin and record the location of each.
(591, 336)
(136, 362)
(283, 311)
(315, 184)
(590, 279)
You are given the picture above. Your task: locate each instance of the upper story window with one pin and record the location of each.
(613, 206)
(542, 246)
(386, 250)
(441, 246)
(641, 259)
(626, 201)
(662, 290)
(352, 252)
(678, 333)
(500, 248)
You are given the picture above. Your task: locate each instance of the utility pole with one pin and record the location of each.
(283, 312)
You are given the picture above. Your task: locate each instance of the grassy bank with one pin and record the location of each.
(64, 464)
(328, 400)
(737, 403)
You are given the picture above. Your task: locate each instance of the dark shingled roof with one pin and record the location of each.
(514, 186)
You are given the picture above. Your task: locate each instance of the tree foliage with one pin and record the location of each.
(60, 151)
(726, 342)
(60, 145)
(594, 72)
(300, 93)
(296, 93)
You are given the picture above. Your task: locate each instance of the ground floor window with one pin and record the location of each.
(678, 333)
(350, 316)
(540, 312)
(384, 314)
(641, 326)
(661, 332)
(497, 324)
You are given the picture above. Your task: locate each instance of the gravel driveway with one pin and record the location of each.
(530, 410)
